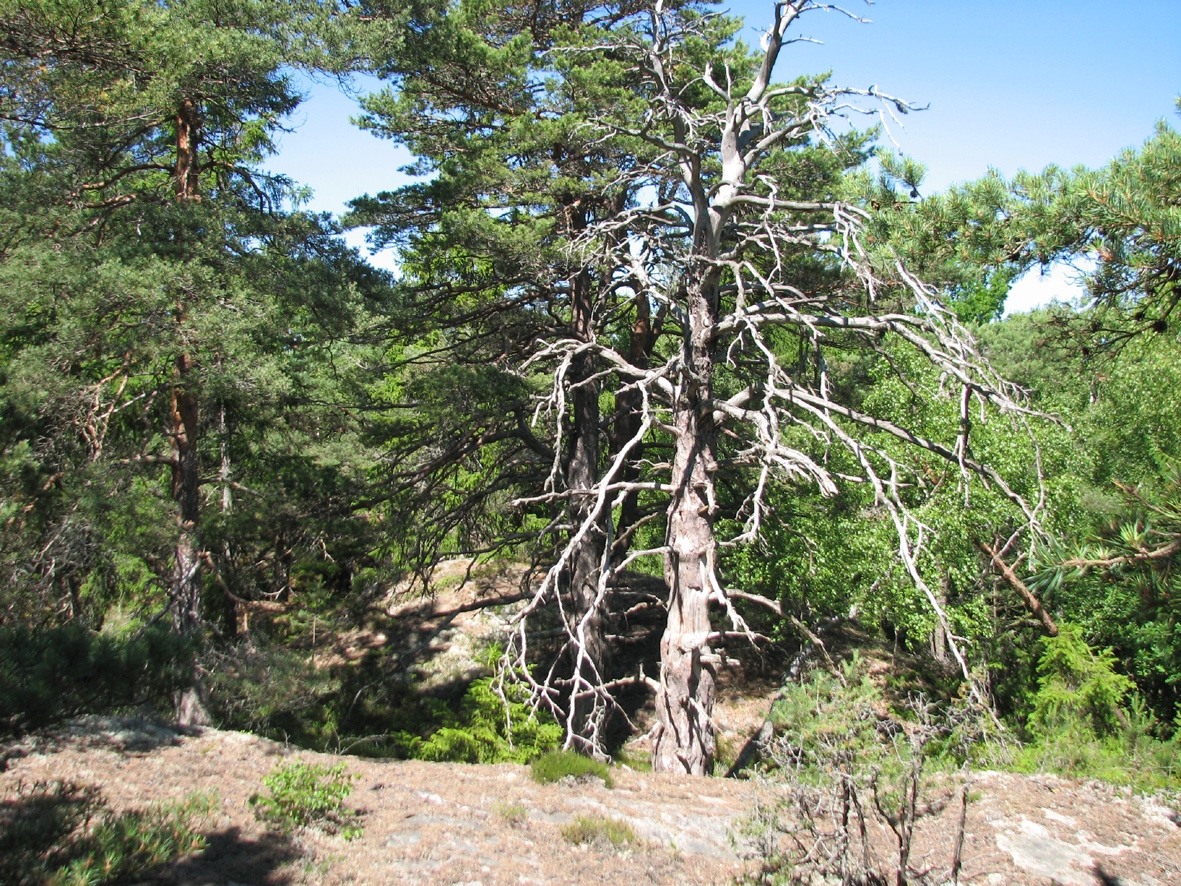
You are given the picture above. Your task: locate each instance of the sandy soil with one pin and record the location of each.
(449, 824)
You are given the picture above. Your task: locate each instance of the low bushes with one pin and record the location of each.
(62, 834)
(53, 673)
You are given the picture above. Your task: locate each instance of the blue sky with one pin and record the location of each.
(1008, 84)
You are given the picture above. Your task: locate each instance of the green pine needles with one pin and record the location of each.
(1079, 690)
(1087, 720)
(494, 724)
(64, 834)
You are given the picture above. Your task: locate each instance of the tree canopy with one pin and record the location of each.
(639, 229)
(667, 323)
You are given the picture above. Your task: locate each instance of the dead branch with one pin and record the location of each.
(1027, 597)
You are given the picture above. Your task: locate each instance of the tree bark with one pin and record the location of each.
(186, 585)
(684, 705)
(587, 619)
(188, 614)
(188, 611)
(187, 172)
(939, 635)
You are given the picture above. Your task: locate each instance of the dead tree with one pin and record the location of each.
(738, 258)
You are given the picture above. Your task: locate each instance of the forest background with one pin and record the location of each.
(213, 407)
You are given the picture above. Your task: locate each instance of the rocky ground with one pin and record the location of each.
(447, 824)
(436, 824)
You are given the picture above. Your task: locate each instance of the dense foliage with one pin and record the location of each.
(650, 323)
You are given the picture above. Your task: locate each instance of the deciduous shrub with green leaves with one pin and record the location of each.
(308, 795)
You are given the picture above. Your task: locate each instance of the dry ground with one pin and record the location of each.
(449, 824)
(431, 824)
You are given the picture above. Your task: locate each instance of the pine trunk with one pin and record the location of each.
(186, 578)
(588, 667)
(684, 705)
(188, 615)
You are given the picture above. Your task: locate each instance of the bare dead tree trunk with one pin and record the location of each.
(717, 257)
(684, 704)
(225, 476)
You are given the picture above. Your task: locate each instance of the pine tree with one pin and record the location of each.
(697, 204)
(155, 276)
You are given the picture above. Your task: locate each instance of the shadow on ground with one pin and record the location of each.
(268, 859)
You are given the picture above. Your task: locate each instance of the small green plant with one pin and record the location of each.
(559, 764)
(631, 759)
(128, 844)
(308, 795)
(1087, 720)
(1078, 687)
(511, 813)
(62, 834)
(494, 724)
(600, 831)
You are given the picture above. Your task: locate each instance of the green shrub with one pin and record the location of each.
(600, 831)
(36, 823)
(308, 795)
(121, 846)
(50, 674)
(558, 764)
(65, 835)
(1079, 689)
(494, 724)
(1087, 720)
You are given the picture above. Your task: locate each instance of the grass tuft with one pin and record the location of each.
(600, 831)
(558, 765)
